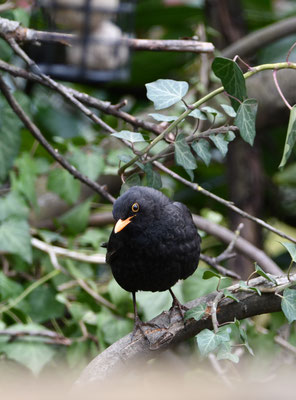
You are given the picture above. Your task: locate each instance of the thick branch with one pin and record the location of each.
(249, 44)
(121, 354)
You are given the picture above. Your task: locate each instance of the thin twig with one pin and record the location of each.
(217, 367)
(53, 152)
(59, 88)
(285, 344)
(228, 204)
(104, 106)
(274, 74)
(214, 311)
(223, 271)
(53, 336)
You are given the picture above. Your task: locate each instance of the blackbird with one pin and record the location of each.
(154, 243)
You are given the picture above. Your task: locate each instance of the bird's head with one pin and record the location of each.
(139, 206)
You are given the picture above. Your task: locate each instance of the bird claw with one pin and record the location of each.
(162, 337)
(179, 307)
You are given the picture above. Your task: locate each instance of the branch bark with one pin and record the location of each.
(121, 354)
(21, 34)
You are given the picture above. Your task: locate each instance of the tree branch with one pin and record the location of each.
(121, 354)
(104, 106)
(31, 35)
(53, 152)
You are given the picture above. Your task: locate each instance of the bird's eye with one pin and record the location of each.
(135, 207)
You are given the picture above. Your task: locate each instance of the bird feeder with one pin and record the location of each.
(86, 39)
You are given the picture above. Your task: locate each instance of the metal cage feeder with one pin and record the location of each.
(86, 40)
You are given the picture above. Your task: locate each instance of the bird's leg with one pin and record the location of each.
(177, 305)
(140, 324)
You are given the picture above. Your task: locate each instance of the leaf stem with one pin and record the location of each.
(12, 303)
(198, 103)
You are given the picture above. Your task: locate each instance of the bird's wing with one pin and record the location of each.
(113, 247)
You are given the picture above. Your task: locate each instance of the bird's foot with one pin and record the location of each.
(155, 335)
(177, 307)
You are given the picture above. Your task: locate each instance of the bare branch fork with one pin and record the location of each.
(121, 354)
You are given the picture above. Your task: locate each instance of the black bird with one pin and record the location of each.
(154, 243)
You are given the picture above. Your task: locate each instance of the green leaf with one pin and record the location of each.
(32, 355)
(76, 220)
(8, 287)
(93, 237)
(89, 163)
(232, 79)
(289, 304)
(163, 118)
(43, 305)
(166, 92)
(198, 114)
(244, 337)
(220, 142)
(260, 272)
(130, 136)
(228, 110)
(12, 205)
(208, 341)
(243, 285)
(132, 180)
(115, 328)
(10, 139)
(211, 111)
(230, 295)
(202, 149)
(208, 274)
(64, 184)
(76, 353)
(15, 238)
(196, 312)
(153, 178)
(291, 248)
(183, 155)
(224, 353)
(245, 120)
(26, 179)
(290, 137)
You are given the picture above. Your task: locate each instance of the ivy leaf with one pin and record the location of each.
(10, 139)
(291, 248)
(228, 110)
(245, 120)
(76, 219)
(289, 304)
(224, 353)
(153, 178)
(89, 163)
(13, 205)
(212, 111)
(33, 355)
(232, 79)
(43, 305)
(132, 180)
(183, 155)
(243, 285)
(196, 312)
(198, 114)
(220, 142)
(130, 136)
(208, 341)
(8, 287)
(260, 272)
(15, 238)
(290, 137)
(63, 184)
(230, 295)
(163, 118)
(202, 149)
(208, 274)
(166, 92)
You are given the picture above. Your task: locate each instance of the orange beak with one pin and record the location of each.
(120, 224)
